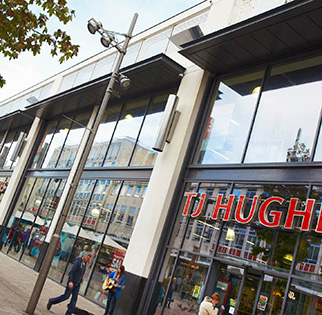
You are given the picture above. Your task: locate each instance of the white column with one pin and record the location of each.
(15, 179)
(164, 177)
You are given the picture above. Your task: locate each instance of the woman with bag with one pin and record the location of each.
(114, 283)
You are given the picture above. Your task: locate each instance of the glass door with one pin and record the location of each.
(270, 299)
(228, 284)
(247, 291)
(248, 296)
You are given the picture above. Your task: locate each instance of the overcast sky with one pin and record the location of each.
(115, 15)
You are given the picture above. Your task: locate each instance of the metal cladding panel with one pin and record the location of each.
(288, 30)
(256, 174)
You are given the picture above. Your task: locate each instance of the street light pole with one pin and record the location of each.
(90, 134)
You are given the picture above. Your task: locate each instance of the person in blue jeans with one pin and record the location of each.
(119, 279)
(75, 278)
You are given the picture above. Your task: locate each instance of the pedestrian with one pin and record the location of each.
(24, 238)
(170, 294)
(209, 306)
(8, 237)
(75, 278)
(117, 280)
(15, 239)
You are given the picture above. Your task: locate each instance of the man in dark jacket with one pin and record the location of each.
(75, 278)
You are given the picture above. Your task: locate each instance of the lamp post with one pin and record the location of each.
(107, 38)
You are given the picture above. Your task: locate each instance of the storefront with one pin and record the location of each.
(233, 203)
(247, 222)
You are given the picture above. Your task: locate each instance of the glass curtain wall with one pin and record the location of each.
(255, 251)
(124, 138)
(127, 134)
(100, 221)
(60, 142)
(7, 147)
(31, 218)
(284, 129)
(228, 124)
(271, 118)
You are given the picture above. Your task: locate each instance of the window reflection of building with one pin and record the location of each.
(125, 212)
(118, 153)
(250, 243)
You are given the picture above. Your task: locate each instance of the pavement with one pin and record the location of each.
(17, 283)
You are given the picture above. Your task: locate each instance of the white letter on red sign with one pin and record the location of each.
(198, 213)
(263, 216)
(226, 207)
(306, 214)
(239, 215)
(188, 202)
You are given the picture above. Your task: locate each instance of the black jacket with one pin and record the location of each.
(77, 272)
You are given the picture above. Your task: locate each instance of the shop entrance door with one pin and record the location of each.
(249, 293)
(261, 294)
(245, 291)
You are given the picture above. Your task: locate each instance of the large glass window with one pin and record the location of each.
(126, 132)
(181, 285)
(103, 136)
(227, 127)
(309, 257)
(288, 114)
(73, 140)
(143, 153)
(31, 218)
(56, 142)
(44, 144)
(100, 221)
(59, 145)
(66, 249)
(256, 243)
(280, 118)
(304, 298)
(34, 234)
(114, 231)
(271, 295)
(200, 234)
(8, 148)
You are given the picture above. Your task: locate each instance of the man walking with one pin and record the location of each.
(75, 278)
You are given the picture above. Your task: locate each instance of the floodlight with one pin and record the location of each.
(93, 26)
(105, 41)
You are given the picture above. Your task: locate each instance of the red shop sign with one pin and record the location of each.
(235, 210)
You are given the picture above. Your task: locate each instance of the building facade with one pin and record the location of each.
(231, 204)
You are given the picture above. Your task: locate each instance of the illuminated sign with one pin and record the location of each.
(268, 217)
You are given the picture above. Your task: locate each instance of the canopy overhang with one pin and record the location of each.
(290, 29)
(148, 76)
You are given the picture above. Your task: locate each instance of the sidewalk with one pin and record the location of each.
(16, 284)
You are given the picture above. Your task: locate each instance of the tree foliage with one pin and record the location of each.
(24, 27)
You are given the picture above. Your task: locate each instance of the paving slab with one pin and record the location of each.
(16, 285)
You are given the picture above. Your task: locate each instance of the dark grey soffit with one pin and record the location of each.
(154, 74)
(301, 173)
(287, 30)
